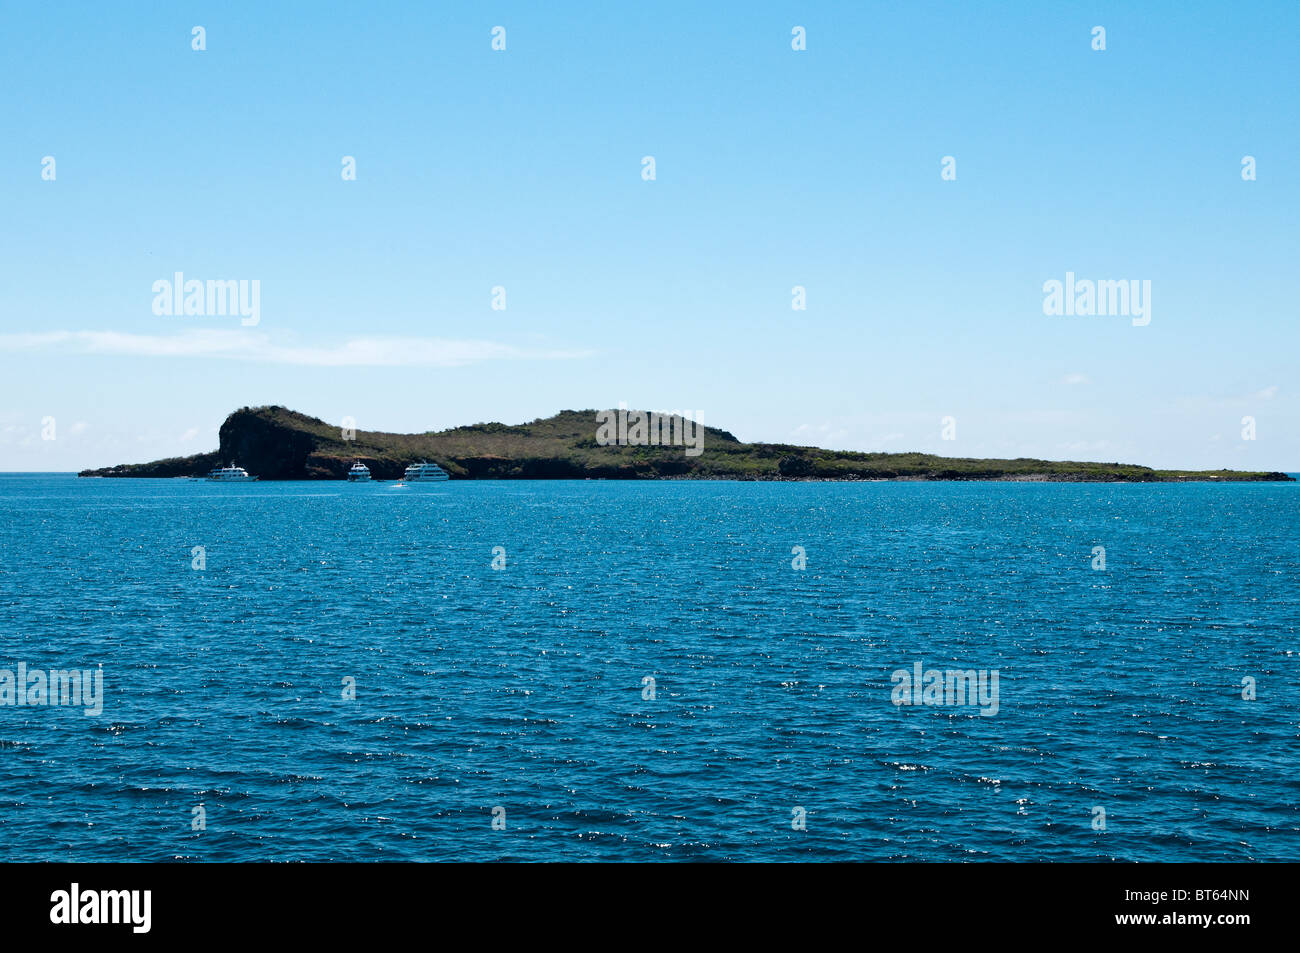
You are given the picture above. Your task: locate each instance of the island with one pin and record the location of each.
(275, 443)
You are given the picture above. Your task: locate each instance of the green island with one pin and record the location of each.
(275, 443)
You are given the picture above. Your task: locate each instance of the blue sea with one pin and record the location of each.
(340, 673)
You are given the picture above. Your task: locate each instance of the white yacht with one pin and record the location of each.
(230, 474)
(424, 473)
(360, 473)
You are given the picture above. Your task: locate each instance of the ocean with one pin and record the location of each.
(638, 671)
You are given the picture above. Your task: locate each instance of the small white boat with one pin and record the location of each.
(423, 473)
(360, 473)
(230, 474)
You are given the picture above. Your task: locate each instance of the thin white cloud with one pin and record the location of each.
(1085, 446)
(1234, 401)
(1076, 378)
(258, 346)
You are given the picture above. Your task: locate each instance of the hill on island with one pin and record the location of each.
(275, 443)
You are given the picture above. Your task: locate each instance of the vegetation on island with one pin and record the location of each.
(275, 443)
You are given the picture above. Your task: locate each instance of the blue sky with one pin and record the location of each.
(774, 168)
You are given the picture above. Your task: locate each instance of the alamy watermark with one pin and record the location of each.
(639, 428)
(945, 687)
(1085, 297)
(194, 298)
(24, 686)
(75, 905)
